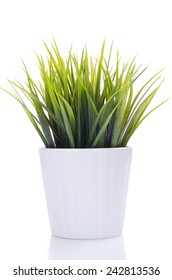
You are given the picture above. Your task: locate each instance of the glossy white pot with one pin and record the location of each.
(86, 190)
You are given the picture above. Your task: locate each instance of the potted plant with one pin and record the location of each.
(85, 110)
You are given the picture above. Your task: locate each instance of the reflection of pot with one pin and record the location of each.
(86, 190)
(99, 249)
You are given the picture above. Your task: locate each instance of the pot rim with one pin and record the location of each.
(85, 149)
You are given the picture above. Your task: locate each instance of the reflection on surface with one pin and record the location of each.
(100, 249)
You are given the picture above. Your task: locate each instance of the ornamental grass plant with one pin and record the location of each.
(85, 102)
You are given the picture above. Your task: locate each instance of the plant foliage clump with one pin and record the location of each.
(85, 103)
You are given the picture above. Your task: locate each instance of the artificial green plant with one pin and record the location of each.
(85, 102)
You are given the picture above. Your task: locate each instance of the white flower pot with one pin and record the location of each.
(86, 190)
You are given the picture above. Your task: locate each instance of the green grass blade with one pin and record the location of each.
(138, 114)
(128, 136)
(104, 127)
(98, 79)
(103, 116)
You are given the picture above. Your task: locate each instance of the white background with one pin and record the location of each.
(137, 27)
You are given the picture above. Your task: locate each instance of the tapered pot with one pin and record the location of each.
(86, 190)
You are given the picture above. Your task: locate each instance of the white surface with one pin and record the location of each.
(86, 191)
(137, 27)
